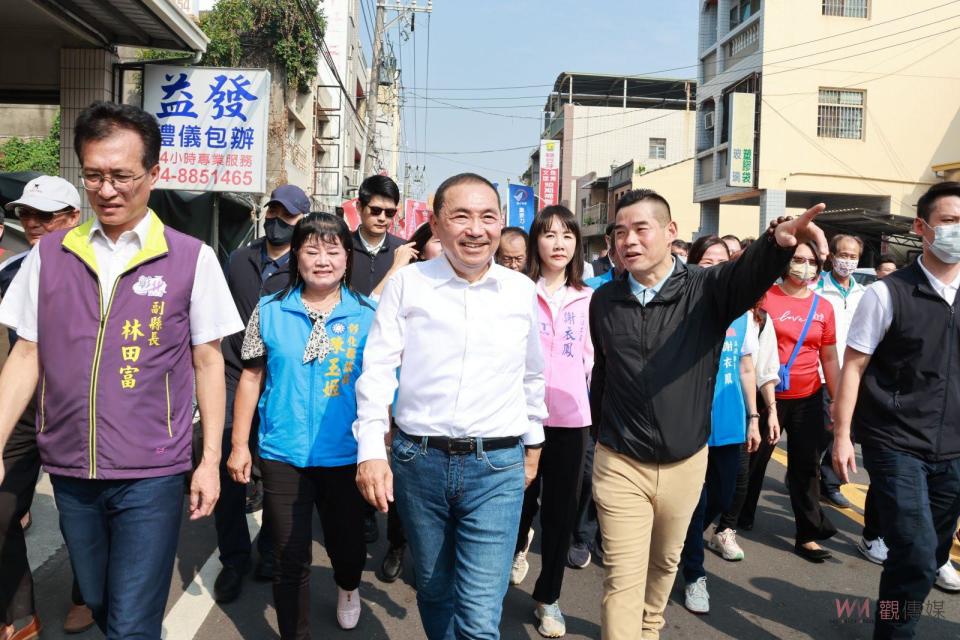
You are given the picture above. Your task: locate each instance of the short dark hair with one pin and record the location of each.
(640, 195)
(506, 232)
(609, 230)
(840, 237)
(700, 246)
(377, 185)
(681, 244)
(541, 224)
(730, 236)
(420, 238)
(934, 193)
(887, 257)
(326, 227)
(453, 181)
(101, 118)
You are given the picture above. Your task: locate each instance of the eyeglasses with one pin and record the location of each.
(43, 217)
(518, 260)
(121, 183)
(798, 261)
(376, 211)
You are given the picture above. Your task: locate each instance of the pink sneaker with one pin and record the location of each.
(348, 608)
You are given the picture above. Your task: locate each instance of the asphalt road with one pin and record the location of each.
(771, 594)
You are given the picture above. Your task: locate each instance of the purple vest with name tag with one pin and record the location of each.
(116, 385)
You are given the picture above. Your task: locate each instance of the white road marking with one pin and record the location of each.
(194, 604)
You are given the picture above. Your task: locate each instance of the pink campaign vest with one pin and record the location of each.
(568, 357)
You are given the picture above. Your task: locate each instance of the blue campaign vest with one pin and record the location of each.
(307, 410)
(729, 417)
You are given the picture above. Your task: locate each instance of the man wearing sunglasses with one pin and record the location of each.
(48, 203)
(379, 199)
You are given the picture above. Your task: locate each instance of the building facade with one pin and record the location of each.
(833, 117)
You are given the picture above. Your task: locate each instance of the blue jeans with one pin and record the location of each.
(122, 537)
(461, 514)
(918, 504)
(723, 463)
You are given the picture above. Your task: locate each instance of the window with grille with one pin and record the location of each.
(846, 8)
(658, 148)
(840, 114)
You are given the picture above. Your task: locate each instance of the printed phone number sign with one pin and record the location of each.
(213, 126)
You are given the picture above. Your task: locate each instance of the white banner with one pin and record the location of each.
(742, 124)
(213, 126)
(549, 191)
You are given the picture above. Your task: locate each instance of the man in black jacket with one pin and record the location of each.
(900, 391)
(657, 338)
(259, 269)
(373, 247)
(603, 264)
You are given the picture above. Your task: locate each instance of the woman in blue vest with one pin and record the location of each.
(304, 347)
(734, 420)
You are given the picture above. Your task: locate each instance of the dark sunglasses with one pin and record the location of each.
(43, 217)
(376, 211)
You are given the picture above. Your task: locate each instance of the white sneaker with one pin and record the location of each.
(697, 598)
(725, 543)
(520, 565)
(552, 624)
(873, 550)
(348, 608)
(947, 578)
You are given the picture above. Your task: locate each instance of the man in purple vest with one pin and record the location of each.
(117, 319)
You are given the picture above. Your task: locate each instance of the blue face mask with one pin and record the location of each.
(946, 242)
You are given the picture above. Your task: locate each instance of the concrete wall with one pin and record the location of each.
(26, 121)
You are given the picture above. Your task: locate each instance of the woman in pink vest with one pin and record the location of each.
(555, 263)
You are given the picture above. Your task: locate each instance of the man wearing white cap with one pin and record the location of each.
(48, 203)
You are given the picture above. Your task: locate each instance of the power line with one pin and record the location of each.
(426, 113)
(694, 66)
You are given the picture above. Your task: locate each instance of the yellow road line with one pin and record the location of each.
(857, 495)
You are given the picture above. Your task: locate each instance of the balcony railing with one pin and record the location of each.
(595, 214)
(554, 126)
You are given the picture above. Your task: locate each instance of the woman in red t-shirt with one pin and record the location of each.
(800, 408)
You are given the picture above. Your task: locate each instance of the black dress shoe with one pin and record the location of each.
(392, 565)
(836, 498)
(265, 568)
(228, 585)
(371, 532)
(812, 555)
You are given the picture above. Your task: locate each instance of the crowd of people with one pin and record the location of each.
(462, 383)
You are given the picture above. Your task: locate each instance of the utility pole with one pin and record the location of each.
(373, 87)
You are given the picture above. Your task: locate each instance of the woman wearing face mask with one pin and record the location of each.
(734, 423)
(801, 316)
(555, 263)
(304, 347)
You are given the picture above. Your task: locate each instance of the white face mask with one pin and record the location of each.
(843, 267)
(946, 242)
(804, 272)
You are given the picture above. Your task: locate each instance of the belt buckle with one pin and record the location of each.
(461, 445)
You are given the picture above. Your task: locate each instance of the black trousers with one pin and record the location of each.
(743, 512)
(728, 519)
(395, 533)
(21, 462)
(559, 477)
(290, 496)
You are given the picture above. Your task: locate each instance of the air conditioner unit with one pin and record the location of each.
(708, 120)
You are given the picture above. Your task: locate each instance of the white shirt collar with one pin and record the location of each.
(938, 286)
(139, 232)
(372, 249)
(441, 271)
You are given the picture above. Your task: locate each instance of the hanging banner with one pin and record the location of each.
(743, 111)
(350, 214)
(549, 173)
(520, 206)
(415, 213)
(213, 126)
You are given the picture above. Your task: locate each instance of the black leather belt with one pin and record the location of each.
(463, 446)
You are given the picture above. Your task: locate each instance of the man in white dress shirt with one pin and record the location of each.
(470, 410)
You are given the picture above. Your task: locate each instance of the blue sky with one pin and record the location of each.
(498, 43)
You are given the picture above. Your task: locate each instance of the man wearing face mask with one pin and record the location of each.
(253, 271)
(900, 394)
(844, 293)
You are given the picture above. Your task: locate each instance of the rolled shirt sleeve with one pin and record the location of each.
(534, 382)
(19, 307)
(213, 314)
(377, 383)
